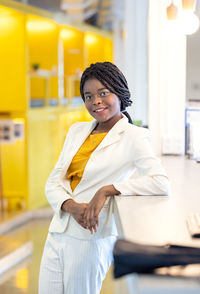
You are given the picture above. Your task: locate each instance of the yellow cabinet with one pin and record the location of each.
(41, 62)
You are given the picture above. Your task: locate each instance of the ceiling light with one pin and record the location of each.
(189, 22)
(189, 5)
(172, 12)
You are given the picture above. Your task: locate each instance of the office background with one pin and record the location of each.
(44, 47)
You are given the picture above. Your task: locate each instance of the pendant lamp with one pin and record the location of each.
(189, 5)
(172, 12)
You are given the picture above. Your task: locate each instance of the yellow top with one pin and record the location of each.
(79, 161)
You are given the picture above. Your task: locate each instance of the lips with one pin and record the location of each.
(99, 110)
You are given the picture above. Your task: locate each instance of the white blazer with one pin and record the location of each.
(124, 151)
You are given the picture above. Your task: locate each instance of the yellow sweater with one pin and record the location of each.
(79, 161)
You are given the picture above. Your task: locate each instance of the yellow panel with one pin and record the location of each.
(27, 162)
(77, 88)
(69, 86)
(97, 48)
(73, 44)
(38, 87)
(43, 144)
(13, 158)
(53, 87)
(44, 87)
(108, 50)
(12, 61)
(94, 47)
(42, 35)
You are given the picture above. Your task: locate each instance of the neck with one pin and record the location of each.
(106, 126)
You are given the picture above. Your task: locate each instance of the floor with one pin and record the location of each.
(23, 278)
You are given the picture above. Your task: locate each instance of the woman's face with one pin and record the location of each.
(103, 105)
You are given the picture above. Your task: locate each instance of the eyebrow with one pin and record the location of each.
(97, 90)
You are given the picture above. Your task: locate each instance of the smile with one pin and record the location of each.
(99, 110)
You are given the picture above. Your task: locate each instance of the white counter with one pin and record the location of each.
(158, 220)
(155, 220)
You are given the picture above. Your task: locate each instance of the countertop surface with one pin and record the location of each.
(162, 219)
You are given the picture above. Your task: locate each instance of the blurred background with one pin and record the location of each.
(44, 47)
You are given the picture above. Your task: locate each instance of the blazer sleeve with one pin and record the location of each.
(54, 190)
(152, 179)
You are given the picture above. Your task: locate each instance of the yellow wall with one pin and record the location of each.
(43, 49)
(14, 167)
(108, 50)
(27, 39)
(42, 150)
(73, 57)
(27, 162)
(12, 61)
(73, 49)
(97, 48)
(42, 37)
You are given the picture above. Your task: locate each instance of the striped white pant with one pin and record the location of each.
(74, 266)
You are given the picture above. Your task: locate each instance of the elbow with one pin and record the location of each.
(163, 185)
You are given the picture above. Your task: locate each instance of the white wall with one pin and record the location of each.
(167, 68)
(130, 43)
(193, 67)
(154, 62)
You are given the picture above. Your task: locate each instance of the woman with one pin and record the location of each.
(99, 159)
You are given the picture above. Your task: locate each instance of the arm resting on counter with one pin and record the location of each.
(152, 178)
(146, 185)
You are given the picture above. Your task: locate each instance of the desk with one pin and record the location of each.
(158, 220)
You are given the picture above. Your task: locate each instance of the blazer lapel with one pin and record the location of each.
(114, 134)
(80, 137)
(78, 140)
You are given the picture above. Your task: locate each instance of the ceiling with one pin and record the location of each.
(99, 13)
(95, 12)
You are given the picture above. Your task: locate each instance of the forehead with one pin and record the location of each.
(93, 85)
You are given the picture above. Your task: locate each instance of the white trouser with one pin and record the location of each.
(74, 266)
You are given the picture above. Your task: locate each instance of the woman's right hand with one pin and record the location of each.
(76, 210)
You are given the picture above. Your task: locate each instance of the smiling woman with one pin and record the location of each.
(103, 106)
(99, 160)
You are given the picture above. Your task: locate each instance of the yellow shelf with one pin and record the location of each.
(29, 38)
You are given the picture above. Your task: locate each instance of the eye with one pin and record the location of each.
(88, 97)
(104, 93)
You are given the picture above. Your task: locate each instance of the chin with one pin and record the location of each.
(101, 119)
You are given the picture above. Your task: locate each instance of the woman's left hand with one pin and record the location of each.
(93, 209)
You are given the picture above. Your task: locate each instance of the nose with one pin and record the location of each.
(96, 100)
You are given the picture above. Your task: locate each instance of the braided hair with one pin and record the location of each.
(113, 79)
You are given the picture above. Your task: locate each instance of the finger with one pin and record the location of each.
(96, 221)
(95, 228)
(88, 218)
(93, 220)
(83, 224)
(91, 230)
(85, 213)
(95, 225)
